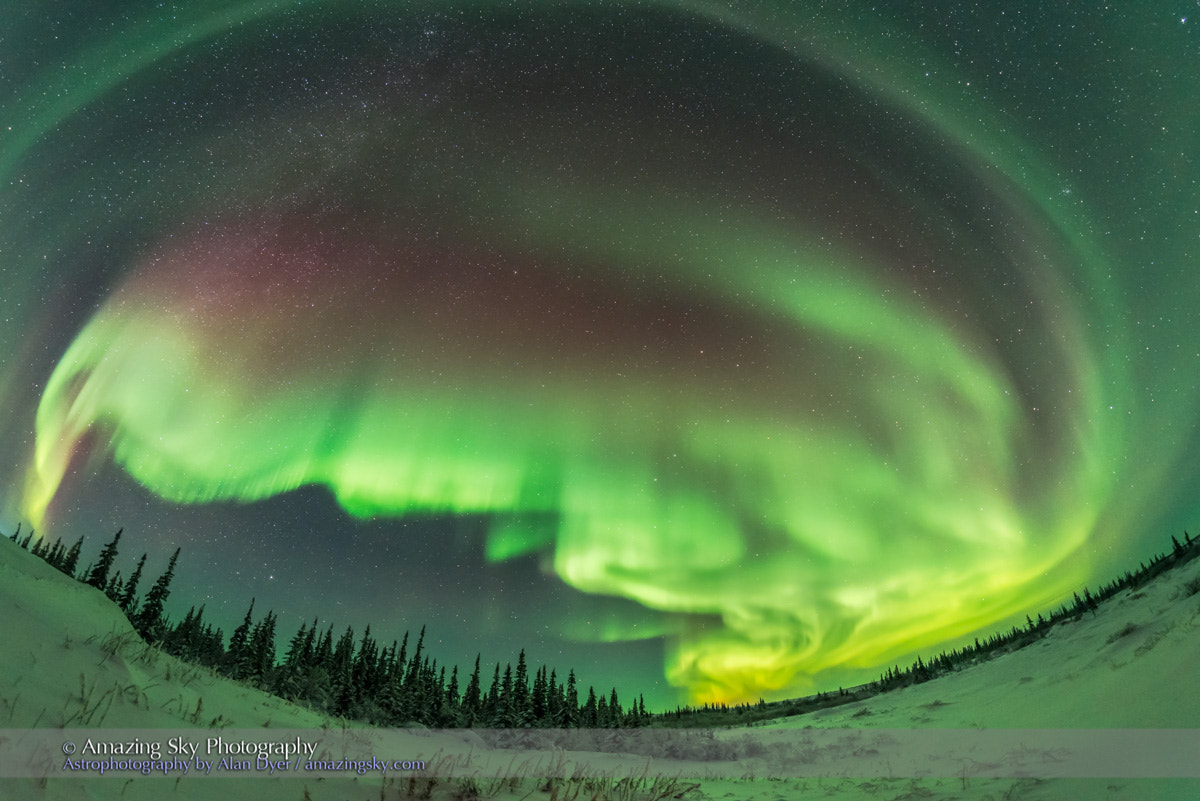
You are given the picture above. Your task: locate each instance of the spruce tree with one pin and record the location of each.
(213, 651)
(520, 710)
(237, 662)
(570, 709)
(340, 669)
(261, 650)
(127, 599)
(307, 648)
(296, 653)
(316, 685)
(452, 700)
(436, 698)
(537, 698)
(400, 663)
(149, 619)
(502, 717)
(587, 716)
(471, 700)
(614, 708)
(71, 561)
(554, 700)
(186, 640)
(492, 700)
(363, 670)
(98, 577)
(323, 651)
(57, 554)
(414, 669)
(113, 588)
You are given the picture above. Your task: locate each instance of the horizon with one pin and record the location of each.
(993, 644)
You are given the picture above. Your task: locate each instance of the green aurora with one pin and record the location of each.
(801, 330)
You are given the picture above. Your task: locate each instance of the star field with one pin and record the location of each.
(738, 349)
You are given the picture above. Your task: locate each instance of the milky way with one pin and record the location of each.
(823, 339)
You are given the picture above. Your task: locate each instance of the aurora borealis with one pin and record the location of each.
(787, 339)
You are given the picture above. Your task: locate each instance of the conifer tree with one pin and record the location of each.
(537, 698)
(237, 660)
(415, 666)
(570, 708)
(436, 696)
(427, 701)
(492, 700)
(175, 642)
(98, 577)
(113, 588)
(71, 560)
(150, 618)
(323, 652)
(55, 554)
(58, 555)
(297, 653)
(589, 715)
(520, 712)
(211, 650)
(400, 663)
(261, 650)
(314, 679)
(127, 598)
(452, 699)
(554, 699)
(340, 673)
(363, 670)
(502, 717)
(190, 639)
(471, 698)
(308, 647)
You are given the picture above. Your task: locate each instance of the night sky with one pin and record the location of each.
(716, 350)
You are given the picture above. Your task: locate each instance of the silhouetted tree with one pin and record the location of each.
(98, 577)
(471, 699)
(569, 715)
(71, 561)
(588, 716)
(127, 599)
(261, 651)
(237, 661)
(150, 618)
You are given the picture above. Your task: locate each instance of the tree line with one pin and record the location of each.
(354, 677)
(359, 678)
(1022, 636)
(948, 661)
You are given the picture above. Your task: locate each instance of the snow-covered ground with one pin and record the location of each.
(74, 671)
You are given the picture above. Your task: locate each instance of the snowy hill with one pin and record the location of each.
(71, 661)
